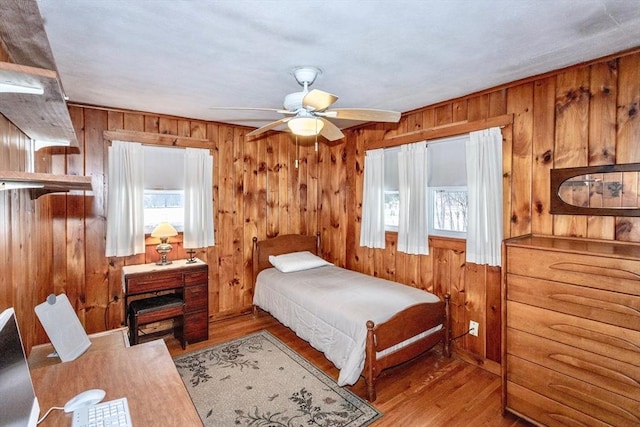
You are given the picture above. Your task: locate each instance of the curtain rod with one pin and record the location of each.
(437, 132)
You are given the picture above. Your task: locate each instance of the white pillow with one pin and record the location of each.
(296, 261)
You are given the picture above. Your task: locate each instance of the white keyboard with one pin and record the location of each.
(113, 413)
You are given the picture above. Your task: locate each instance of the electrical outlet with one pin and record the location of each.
(473, 328)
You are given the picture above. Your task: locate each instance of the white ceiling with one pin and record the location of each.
(182, 57)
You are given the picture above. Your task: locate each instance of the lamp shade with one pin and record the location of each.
(305, 126)
(164, 229)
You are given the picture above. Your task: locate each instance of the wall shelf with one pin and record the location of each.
(43, 118)
(44, 183)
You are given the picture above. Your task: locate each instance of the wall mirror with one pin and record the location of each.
(611, 190)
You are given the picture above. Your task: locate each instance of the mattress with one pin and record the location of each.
(329, 306)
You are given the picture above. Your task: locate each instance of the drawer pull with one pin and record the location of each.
(592, 400)
(590, 302)
(583, 365)
(565, 420)
(608, 272)
(597, 336)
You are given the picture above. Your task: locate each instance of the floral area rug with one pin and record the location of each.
(258, 381)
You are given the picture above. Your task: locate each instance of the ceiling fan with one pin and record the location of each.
(308, 111)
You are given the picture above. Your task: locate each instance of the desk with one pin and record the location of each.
(100, 341)
(189, 280)
(145, 374)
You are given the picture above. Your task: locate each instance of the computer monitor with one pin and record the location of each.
(18, 402)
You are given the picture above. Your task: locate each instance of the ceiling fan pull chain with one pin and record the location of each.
(316, 142)
(297, 153)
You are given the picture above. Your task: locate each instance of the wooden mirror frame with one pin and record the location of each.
(559, 176)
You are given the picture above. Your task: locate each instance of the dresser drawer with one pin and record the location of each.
(195, 297)
(602, 371)
(544, 411)
(604, 306)
(151, 282)
(613, 274)
(607, 406)
(607, 340)
(196, 277)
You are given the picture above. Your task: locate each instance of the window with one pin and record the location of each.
(163, 205)
(447, 180)
(447, 172)
(391, 190)
(163, 187)
(448, 211)
(391, 210)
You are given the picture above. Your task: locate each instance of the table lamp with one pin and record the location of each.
(163, 231)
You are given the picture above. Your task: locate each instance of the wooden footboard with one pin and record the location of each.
(401, 327)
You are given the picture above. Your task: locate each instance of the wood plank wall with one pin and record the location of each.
(580, 116)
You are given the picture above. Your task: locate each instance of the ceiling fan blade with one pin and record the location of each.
(364, 114)
(317, 100)
(330, 131)
(277, 110)
(268, 126)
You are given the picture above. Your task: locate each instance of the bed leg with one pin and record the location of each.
(369, 363)
(447, 326)
(255, 311)
(371, 392)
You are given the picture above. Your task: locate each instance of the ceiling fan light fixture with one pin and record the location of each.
(305, 126)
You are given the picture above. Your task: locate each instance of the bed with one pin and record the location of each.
(362, 324)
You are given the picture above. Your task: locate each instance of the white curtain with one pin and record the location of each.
(125, 219)
(413, 228)
(372, 230)
(198, 198)
(484, 186)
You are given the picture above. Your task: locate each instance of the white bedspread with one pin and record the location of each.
(329, 307)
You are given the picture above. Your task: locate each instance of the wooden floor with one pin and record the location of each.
(431, 390)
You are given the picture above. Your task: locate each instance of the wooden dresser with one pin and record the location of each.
(189, 281)
(571, 331)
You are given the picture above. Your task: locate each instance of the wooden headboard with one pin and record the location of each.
(281, 245)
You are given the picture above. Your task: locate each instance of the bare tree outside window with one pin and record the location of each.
(391, 210)
(450, 210)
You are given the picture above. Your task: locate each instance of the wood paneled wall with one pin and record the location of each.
(580, 116)
(24, 258)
